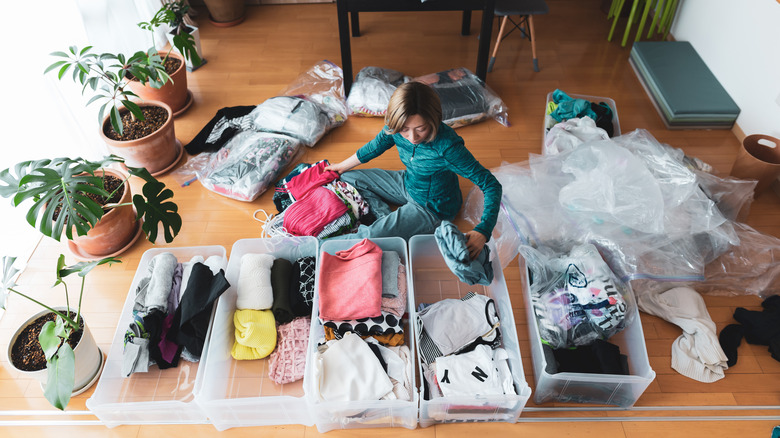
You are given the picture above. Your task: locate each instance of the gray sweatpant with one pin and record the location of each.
(380, 188)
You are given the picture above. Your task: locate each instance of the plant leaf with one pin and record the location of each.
(83, 268)
(156, 210)
(61, 377)
(9, 272)
(49, 340)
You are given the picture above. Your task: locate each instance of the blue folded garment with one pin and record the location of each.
(452, 245)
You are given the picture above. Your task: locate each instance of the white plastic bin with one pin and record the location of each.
(157, 396)
(358, 414)
(603, 389)
(239, 392)
(433, 281)
(549, 121)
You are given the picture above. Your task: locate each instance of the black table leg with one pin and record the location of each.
(465, 27)
(485, 34)
(355, 23)
(346, 50)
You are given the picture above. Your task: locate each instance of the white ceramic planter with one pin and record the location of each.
(89, 358)
(195, 32)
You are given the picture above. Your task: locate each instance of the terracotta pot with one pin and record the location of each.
(115, 230)
(225, 13)
(174, 93)
(89, 358)
(157, 152)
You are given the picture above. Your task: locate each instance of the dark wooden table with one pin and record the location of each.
(354, 7)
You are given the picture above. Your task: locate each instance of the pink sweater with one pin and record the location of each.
(350, 283)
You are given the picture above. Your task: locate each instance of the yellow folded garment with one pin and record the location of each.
(255, 332)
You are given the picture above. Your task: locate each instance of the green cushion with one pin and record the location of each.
(682, 85)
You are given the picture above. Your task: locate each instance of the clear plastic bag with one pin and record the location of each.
(295, 117)
(576, 297)
(465, 98)
(646, 210)
(371, 91)
(323, 83)
(248, 164)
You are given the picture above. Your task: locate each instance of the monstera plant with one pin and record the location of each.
(74, 196)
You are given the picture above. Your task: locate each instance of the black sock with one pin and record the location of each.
(730, 338)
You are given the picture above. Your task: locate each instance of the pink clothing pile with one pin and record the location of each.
(311, 178)
(288, 361)
(350, 283)
(310, 215)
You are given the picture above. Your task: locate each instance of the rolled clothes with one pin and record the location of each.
(390, 262)
(255, 332)
(254, 287)
(288, 362)
(301, 292)
(154, 290)
(281, 273)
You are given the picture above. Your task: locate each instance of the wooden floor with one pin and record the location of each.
(256, 60)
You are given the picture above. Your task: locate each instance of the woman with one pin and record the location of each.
(427, 192)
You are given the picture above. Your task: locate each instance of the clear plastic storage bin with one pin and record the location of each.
(157, 396)
(605, 389)
(239, 392)
(549, 121)
(433, 281)
(359, 414)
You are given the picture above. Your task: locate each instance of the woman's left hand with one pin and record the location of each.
(475, 241)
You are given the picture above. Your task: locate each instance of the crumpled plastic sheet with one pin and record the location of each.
(667, 221)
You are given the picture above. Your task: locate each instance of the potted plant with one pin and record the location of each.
(183, 37)
(90, 198)
(173, 88)
(140, 132)
(226, 13)
(55, 345)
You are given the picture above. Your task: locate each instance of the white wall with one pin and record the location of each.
(740, 42)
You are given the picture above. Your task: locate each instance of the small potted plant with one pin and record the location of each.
(140, 132)
(183, 37)
(92, 199)
(55, 346)
(172, 90)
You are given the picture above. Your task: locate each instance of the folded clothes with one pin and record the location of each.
(281, 272)
(301, 294)
(340, 296)
(288, 362)
(153, 291)
(254, 287)
(255, 332)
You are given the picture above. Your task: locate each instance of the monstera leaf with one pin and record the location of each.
(60, 188)
(155, 207)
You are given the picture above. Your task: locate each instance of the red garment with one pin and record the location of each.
(350, 283)
(309, 179)
(308, 216)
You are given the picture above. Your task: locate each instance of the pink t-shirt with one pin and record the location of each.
(350, 283)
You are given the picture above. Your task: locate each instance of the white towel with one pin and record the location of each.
(696, 353)
(254, 282)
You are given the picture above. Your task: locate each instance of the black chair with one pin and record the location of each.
(526, 9)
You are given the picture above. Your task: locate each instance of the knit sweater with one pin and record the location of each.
(432, 170)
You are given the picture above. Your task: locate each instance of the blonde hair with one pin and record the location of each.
(414, 98)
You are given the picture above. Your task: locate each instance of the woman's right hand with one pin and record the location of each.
(345, 165)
